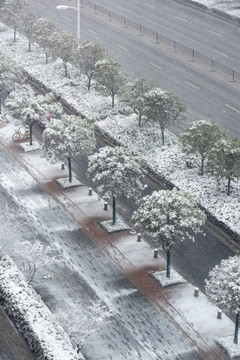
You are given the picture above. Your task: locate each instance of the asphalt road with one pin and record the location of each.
(207, 94)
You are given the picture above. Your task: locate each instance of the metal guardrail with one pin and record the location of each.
(158, 37)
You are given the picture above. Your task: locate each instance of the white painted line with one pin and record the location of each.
(193, 86)
(214, 33)
(151, 6)
(41, 5)
(66, 18)
(232, 108)
(122, 47)
(221, 53)
(92, 32)
(179, 18)
(155, 65)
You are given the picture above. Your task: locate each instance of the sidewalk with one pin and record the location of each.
(192, 316)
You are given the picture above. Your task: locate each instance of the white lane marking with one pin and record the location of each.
(92, 32)
(66, 18)
(122, 47)
(41, 5)
(151, 6)
(193, 86)
(219, 52)
(214, 33)
(155, 65)
(232, 108)
(179, 18)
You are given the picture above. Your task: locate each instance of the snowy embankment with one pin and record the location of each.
(167, 163)
(229, 8)
(33, 319)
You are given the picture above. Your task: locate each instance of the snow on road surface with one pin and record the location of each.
(84, 272)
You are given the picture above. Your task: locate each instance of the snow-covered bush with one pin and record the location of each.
(34, 320)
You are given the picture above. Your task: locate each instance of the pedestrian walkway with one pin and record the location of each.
(193, 317)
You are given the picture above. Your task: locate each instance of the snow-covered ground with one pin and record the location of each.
(85, 272)
(230, 7)
(166, 161)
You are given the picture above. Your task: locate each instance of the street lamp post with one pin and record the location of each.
(64, 7)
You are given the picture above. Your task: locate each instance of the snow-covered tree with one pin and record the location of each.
(71, 136)
(42, 31)
(10, 75)
(223, 288)
(115, 172)
(86, 56)
(169, 217)
(110, 78)
(13, 12)
(34, 255)
(26, 104)
(8, 228)
(133, 96)
(163, 108)
(81, 322)
(224, 161)
(49, 105)
(199, 138)
(27, 23)
(2, 4)
(60, 45)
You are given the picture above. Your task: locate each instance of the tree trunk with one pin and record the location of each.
(236, 329)
(29, 45)
(114, 210)
(139, 119)
(112, 100)
(163, 139)
(89, 83)
(32, 275)
(31, 132)
(229, 186)
(168, 264)
(46, 57)
(70, 169)
(202, 164)
(66, 70)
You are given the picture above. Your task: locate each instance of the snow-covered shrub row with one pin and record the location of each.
(166, 163)
(33, 319)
